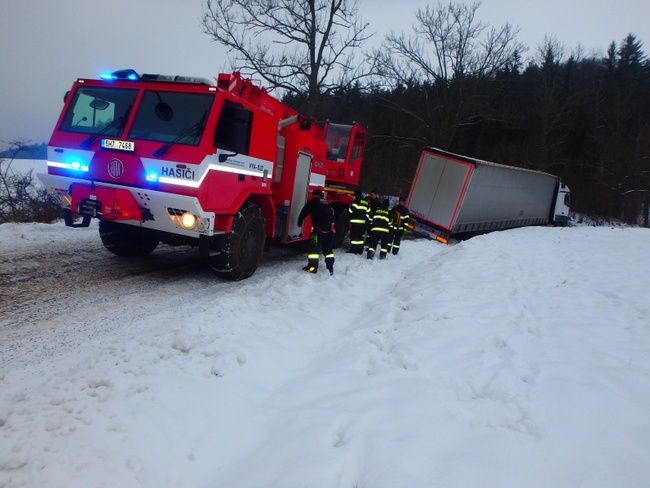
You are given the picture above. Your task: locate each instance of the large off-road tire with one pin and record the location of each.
(127, 240)
(236, 255)
(342, 227)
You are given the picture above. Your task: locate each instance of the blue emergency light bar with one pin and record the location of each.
(124, 74)
(132, 75)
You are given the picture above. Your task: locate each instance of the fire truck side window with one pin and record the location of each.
(233, 132)
(94, 109)
(359, 144)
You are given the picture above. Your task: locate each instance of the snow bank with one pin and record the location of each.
(519, 358)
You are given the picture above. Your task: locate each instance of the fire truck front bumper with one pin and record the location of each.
(167, 212)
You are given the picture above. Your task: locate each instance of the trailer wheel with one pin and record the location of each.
(127, 240)
(238, 253)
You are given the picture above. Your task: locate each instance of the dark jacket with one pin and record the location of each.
(322, 214)
(400, 213)
(374, 204)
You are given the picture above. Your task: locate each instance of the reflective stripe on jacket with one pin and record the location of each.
(359, 211)
(380, 221)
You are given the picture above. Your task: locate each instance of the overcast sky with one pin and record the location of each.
(46, 44)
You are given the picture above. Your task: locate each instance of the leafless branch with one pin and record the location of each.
(303, 47)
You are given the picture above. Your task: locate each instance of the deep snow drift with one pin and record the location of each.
(515, 359)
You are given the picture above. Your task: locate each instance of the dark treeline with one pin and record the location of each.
(23, 150)
(584, 119)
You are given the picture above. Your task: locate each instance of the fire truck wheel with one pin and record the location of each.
(240, 251)
(127, 240)
(342, 225)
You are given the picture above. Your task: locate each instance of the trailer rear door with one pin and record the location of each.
(438, 188)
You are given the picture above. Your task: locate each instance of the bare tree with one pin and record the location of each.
(22, 198)
(447, 42)
(305, 47)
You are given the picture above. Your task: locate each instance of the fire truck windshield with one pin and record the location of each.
(95, 110)
(171, 117)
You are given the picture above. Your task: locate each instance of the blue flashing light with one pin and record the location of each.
(124, 74)
(152, 176)
(76, 166)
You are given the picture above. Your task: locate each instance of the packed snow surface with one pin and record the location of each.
(514, 359)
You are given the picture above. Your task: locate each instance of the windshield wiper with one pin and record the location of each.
(119, 122)
(193, 131)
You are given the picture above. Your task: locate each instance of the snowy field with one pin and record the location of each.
(516, 359)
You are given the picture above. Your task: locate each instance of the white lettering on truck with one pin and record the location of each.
(183, 173)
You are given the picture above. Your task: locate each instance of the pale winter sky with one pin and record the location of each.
(46, 44)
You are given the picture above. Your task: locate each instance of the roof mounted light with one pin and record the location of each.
(175, 79)
(124, 74)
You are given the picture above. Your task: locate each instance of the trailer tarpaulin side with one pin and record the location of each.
(501, 197)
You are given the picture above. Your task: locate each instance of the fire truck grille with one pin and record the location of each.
(175, 211)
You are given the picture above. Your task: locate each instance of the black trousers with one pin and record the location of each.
(357, 232)
(321, 241)
(375, 238)
(395, 240)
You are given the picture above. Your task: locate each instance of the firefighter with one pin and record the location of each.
(373, 201)
(400, 219)
(379, 231)
(373, 204)
(358, 222)
(322, 233)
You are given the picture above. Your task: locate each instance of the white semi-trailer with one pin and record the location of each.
(457, 196)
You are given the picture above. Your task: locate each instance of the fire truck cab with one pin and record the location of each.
(181, 160)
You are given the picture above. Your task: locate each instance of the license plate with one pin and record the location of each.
(119, 145)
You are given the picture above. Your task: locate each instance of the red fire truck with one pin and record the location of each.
(180, 160)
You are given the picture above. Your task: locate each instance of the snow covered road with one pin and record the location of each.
(61, 287)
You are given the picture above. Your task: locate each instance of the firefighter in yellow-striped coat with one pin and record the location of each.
(380, 230)
(359, 220)
(400, 220)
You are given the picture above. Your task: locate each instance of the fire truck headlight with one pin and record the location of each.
(188, 220)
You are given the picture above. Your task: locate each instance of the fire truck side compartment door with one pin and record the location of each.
(299, 196)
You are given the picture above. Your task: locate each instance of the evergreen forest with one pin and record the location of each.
(462, 86)
(583, 118)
